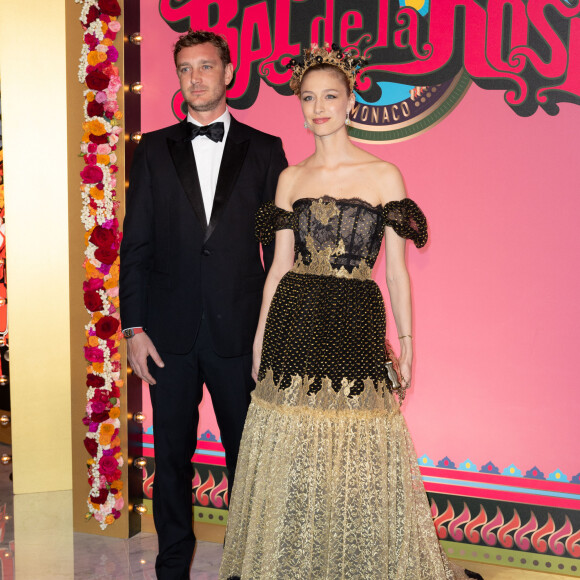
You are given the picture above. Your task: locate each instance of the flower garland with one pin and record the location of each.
(101, 293)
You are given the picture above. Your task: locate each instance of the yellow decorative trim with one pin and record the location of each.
(374, 400)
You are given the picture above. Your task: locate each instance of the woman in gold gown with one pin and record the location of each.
(327, 484)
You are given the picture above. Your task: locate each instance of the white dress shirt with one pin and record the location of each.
(208, 158)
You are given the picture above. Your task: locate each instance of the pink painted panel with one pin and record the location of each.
(496, 288)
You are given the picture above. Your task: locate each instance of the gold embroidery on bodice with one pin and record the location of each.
(339, 238)
(321, 263)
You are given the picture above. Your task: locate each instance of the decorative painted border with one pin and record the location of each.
(511, 517)
(489, 468)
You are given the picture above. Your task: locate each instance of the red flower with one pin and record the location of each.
(113, 476)
(102, 237)
(91, 445)
(92, 174)
(91, 40)
(95, 109)
(99, 139)
(108, 464)
(93, 14)
(101, 396)
(95, 381)
(115, 392)
(106, 326)
(93, 301)
(101, 497)
(99, 417)
(110, 7)
(97, 80)
(106, 255)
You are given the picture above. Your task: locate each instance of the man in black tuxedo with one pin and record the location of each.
(192, 278)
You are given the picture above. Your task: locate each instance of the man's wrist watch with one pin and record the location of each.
(131, 332)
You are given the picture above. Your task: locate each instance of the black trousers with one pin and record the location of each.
(175, 399)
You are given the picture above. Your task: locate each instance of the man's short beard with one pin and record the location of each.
(210, 106)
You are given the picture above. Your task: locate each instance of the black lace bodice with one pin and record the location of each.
(341, 237)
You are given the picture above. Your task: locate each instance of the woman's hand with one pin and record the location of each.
(405, 370)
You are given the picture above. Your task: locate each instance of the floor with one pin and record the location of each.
(36, 540)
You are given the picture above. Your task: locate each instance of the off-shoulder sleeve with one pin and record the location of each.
(407, 219)
(269, 219)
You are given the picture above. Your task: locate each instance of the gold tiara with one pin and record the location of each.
(332, 55)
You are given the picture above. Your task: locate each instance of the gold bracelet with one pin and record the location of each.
(405, 336)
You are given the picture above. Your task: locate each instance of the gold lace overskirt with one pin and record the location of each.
(326, 494)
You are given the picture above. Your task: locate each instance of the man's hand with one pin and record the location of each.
(138, 349)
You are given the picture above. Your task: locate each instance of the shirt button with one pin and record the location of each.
(206, 252)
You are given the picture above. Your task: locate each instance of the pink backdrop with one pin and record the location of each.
(496, 288)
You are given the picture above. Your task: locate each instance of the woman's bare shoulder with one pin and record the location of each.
(389, 180)
(286, 186)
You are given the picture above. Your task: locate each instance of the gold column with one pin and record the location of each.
(34, 117)
(79, 317)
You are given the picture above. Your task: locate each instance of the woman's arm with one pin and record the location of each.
(283, 261)
(399, 287)
(397, 275)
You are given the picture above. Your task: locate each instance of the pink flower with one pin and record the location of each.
(112, 54)
(94, 354)
(98, 407)
(110, 224)
(115, 84)
(104, 268)
(113, 158)
(103, 149)
(92, 284)
(85, 147)
(113, 139)
(115, 26)
(101, 96)
(108, 464)
(119, 503)
(112, 292)
(92, 174)
(111, 107)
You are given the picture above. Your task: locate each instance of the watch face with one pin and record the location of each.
(128, 333)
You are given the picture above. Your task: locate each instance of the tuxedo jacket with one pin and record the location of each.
(174, 265)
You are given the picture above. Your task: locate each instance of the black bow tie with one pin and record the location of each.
(215, 131)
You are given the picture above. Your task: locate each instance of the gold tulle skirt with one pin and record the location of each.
(324, 493)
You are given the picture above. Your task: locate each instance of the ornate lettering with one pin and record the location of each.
(493, 42)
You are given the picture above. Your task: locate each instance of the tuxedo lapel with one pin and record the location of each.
(181, 153)
(235, 150)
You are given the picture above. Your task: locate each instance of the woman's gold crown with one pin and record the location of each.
(332, 55)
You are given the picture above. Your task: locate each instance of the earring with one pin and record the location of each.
(305, 125)
(347, 120)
